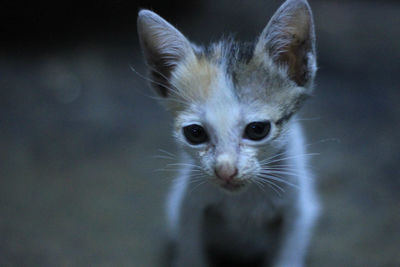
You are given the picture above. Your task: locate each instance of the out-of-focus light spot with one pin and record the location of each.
(65, 85)
(67, 88)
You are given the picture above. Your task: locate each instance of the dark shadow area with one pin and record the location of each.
(79, 129)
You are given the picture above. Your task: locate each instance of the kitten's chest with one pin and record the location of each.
(242, 226)
(250, 211)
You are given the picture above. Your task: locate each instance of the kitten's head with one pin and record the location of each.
(233, 102)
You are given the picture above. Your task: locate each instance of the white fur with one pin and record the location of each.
(298, 236)
(174, 201)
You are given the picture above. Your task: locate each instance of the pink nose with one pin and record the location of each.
(226, 174)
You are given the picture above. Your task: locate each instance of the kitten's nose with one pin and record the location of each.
(226, 174)
(225, 168)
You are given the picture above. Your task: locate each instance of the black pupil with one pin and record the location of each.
(257, 130)
(195, 134)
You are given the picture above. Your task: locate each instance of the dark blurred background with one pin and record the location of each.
(79, 129)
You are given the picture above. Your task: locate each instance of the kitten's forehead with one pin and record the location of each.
(214, 72)
(228, 76)
(223, 114)
(250, 75)
(196, 79)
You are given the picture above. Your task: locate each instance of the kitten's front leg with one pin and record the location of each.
(185, 207)
(301, 220)
(189, 243)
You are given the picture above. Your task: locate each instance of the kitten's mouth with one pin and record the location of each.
(232, 186)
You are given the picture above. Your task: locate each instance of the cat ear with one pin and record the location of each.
(163, 47)
(289, 39)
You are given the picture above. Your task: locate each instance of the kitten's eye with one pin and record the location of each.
(195, 134)
(257, 130)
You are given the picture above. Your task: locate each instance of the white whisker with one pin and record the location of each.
(166, 152)
(274, 156)
(282, 171)
(337, 140)
(162, 157)
(279, 167)
(199, 184)
(171, 90)
(293, 157)
(185, 164)
(272, 186)
(259, 184)
(308, 119)
(269, 176)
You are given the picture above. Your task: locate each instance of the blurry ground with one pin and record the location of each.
(78, 132)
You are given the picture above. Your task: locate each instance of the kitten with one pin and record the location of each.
(244, 196)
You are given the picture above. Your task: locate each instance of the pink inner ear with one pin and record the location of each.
(163, 47)
(295, 56)
(289, 38)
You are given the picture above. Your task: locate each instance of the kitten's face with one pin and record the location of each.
(232, 103)
(228, 141)
(235, 126)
